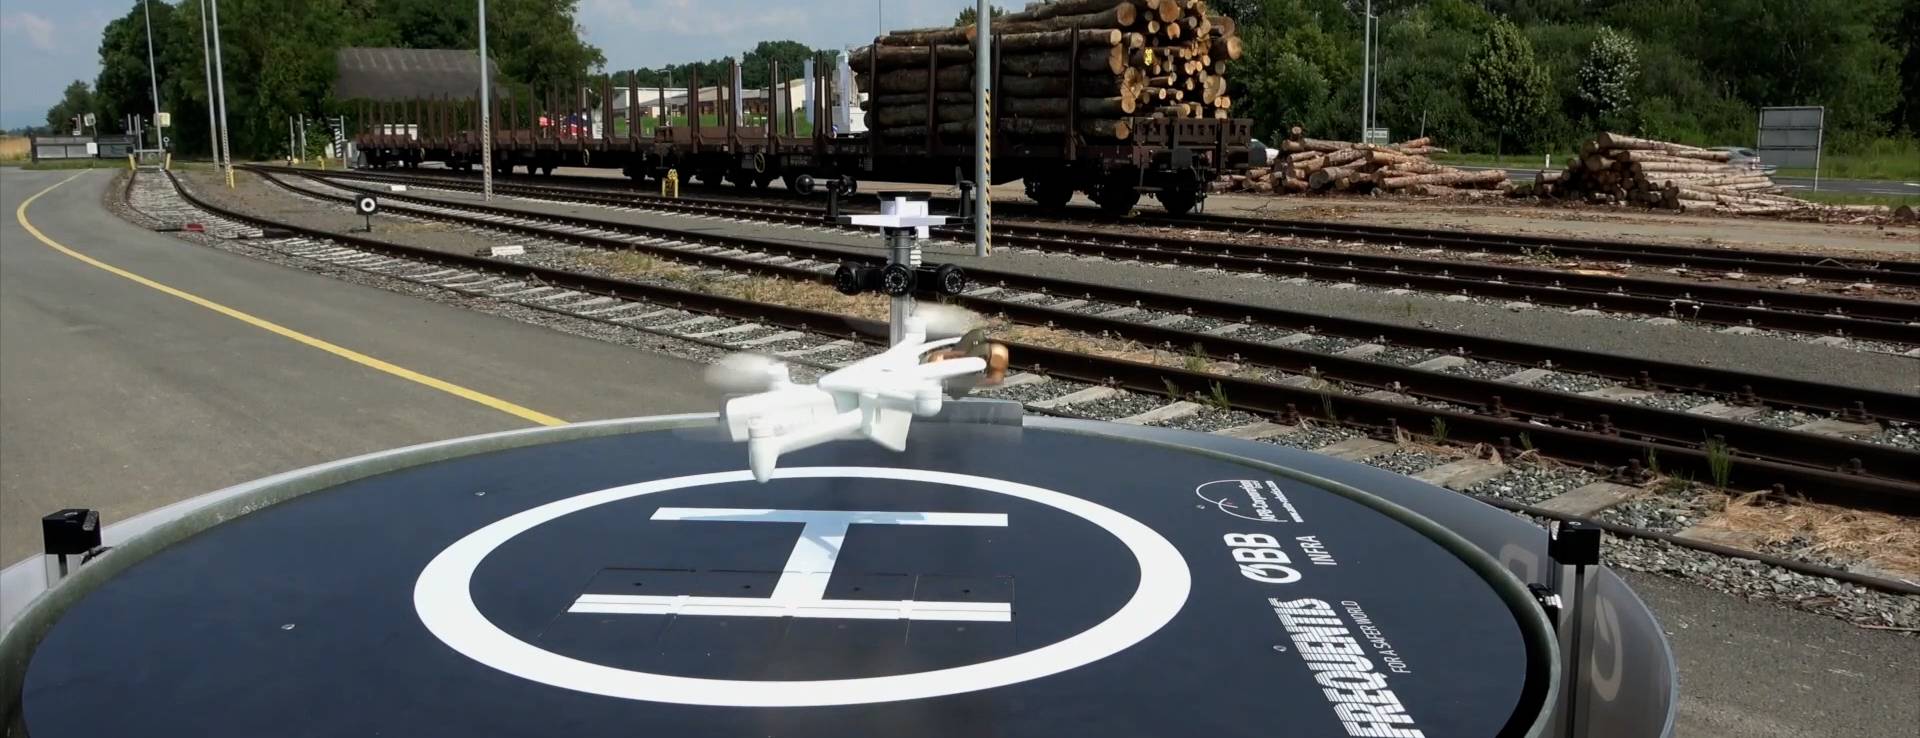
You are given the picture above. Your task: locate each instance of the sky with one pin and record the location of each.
(46, 44)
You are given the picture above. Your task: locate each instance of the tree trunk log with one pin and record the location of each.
(1666, 167)
(1118, 16)
(951, 78)
(1641, 156)
(912, 98)
(1112, 60)
(1099, 128)
(1056, 107)
(1332, 178)
(1617, 141)
(896, 57)
(1051, 40)
(1226, 48)
(1314, 144)
(1491, 176)
(1345, 156)
(931, 36)
(1044, 11)
(1126, 84)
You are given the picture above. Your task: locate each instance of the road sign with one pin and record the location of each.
(1791, 137)
(1379, 136)
(89, 120)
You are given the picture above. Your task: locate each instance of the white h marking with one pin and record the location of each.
(802, 588)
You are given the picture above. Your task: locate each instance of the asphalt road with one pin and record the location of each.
(1754, 671)
(119, 397)
(1846, 186)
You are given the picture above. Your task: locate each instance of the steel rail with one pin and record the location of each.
(1883, 320)
(1750, 444)
(1713, 259)
(1858, 404)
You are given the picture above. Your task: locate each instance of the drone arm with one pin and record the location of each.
(765, 444)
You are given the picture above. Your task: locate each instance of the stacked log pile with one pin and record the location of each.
(1320, 165)
(1136, 59)
(1622, 169)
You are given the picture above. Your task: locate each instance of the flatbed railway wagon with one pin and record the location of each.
(540, 134)
(1170, 159)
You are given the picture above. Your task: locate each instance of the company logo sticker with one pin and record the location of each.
(1250, 499)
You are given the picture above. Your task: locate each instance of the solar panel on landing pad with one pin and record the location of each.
(989, 581)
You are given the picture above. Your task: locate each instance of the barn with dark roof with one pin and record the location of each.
(390, 75)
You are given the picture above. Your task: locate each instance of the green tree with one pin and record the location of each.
(1608, 75)
(537, 43)
(1510, 88)
(124, 86)
(970, 14)
(791, 55)
(76, 101)
(1908, 34)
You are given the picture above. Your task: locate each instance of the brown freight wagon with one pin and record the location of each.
(1170, 159)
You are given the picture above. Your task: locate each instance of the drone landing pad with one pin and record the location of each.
(990, 581)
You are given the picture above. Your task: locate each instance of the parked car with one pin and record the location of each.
(1748, 159)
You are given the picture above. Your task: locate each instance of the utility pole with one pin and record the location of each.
(1373, 108)
(1366, 68)
(153, 78)
(486, 112)
(206, 58)
(220, 85)
(982, 135)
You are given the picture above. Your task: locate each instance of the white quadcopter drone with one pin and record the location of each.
(875, 398)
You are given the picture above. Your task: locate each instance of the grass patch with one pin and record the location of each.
(1848, 198)
(1884, 159)
(1890, 541)
(1515, 161)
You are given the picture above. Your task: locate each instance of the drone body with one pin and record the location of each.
(875, 398)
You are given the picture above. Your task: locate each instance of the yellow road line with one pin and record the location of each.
(269, 326)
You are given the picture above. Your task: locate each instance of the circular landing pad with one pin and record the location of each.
(990, 581)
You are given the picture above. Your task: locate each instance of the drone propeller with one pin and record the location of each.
(744, 373)
(946, 321)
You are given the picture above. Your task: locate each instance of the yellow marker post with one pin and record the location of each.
(670, 185)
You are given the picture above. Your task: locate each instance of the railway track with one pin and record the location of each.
(1299, 382)
(1890, 321)
(668, 311)
(1693, 258)
(1220, 319)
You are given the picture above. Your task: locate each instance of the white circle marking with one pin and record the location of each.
(443, 598)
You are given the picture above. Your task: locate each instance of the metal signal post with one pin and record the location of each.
(486, 117)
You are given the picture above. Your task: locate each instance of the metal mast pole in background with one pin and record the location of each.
(982, 137)
(220, 86)
(206, 58)
(486, 112)
(1366, 69)
(153, 78)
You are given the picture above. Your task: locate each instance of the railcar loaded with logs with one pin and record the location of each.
(1112, 98)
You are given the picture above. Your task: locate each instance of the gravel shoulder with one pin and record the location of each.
(1678, 343)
